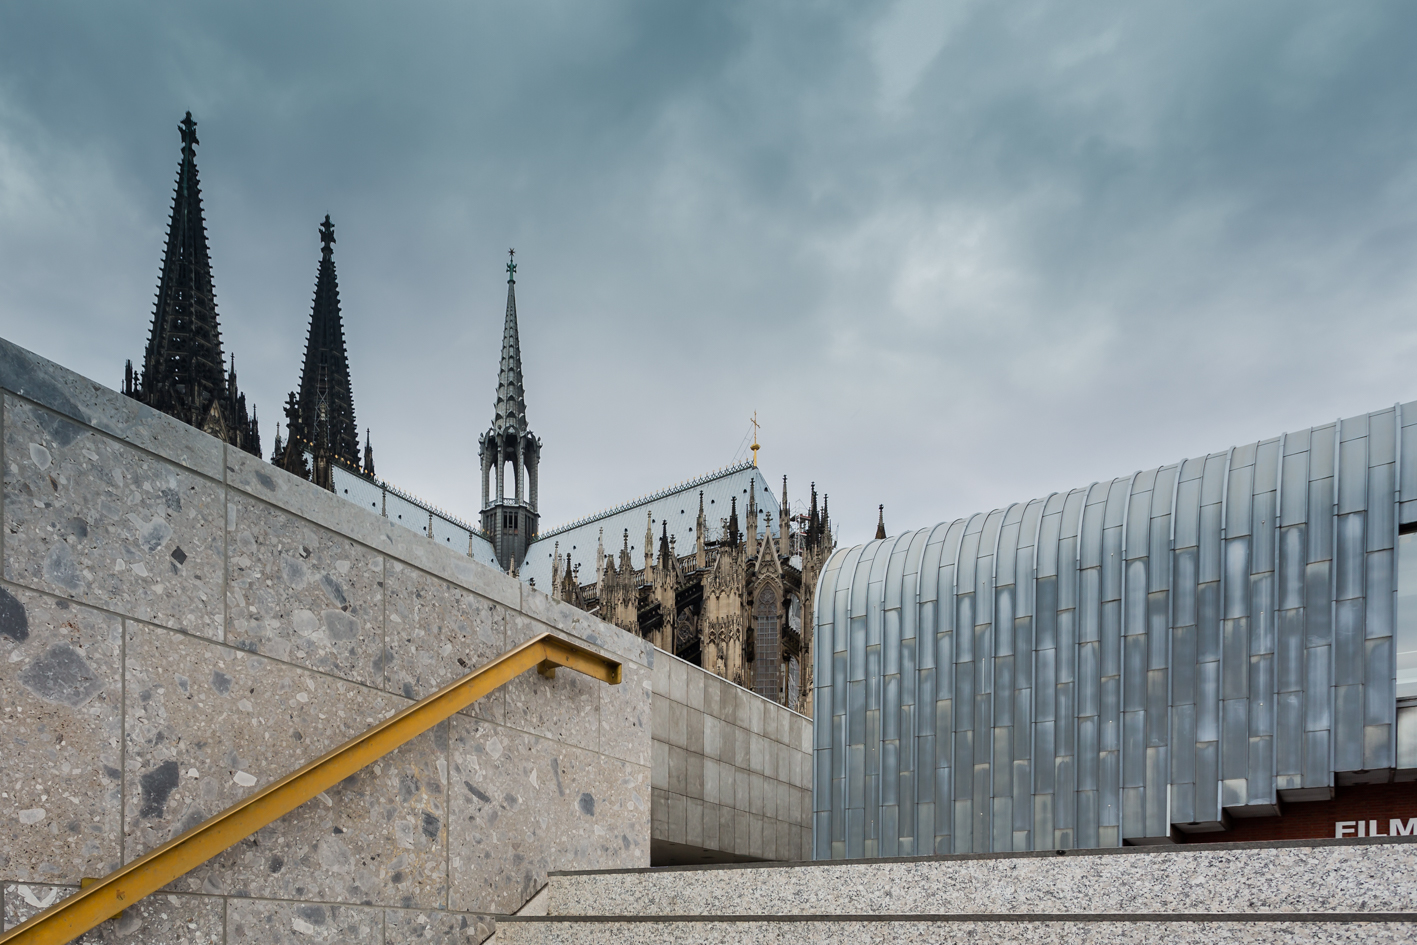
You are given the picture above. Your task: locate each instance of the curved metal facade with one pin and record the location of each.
(1158, 652)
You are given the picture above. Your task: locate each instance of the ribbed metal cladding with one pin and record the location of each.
(1161, 652)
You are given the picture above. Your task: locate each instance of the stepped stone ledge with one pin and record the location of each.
(1311, 876)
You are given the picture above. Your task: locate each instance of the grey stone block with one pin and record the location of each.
(757, 746)
(300, 497)
(727, 827)
(266, 922)
(659, 764)
(678, 817)
(679, 682)
(303, 594)
(713, 740)
(434, 927)
(694, 777)
(659, 814)
(79, 398)
(742, 752)
(711, 769)
(565, 708)
(694, 730)
(60, 810)
(626, 713)
(695, 689)
(661, 674)
(678, 724)
(437, 632)
(659, 715)
(90, 518)
(713, 690)
(572, 620)
(556, 806)
(711, 819)
(245, 721)
(678, 770)
(694, 822)
(160, 919)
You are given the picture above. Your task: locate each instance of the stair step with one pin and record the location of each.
(1292, 877)
(1312, 929)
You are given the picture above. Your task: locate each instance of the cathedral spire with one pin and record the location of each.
(509, 510)
(183, 368)
(881, 523)
(511, 396)
(324, 378)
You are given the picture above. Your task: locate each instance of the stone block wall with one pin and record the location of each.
(732, 771)
(181, 623)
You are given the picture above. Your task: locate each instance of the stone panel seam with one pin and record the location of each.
(129, 444)
(228, 487)
(125, 619)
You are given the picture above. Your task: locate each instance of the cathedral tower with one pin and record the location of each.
(320, 417)
(184, 373)
(510, 450)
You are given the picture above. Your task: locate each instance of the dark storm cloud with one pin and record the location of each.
(954, 254)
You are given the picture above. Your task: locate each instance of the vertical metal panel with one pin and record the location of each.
(1096, 666)
(1382, 510)
(1352, 471)
(1407, 452)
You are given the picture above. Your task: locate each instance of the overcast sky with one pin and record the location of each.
(954, 254)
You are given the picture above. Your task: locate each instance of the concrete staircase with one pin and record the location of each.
(1293, 891)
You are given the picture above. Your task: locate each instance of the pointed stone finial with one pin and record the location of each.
(189, 133)
(327, 235)
(881, 522)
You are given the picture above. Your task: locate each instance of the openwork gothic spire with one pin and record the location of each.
(321, 415)
(184, 373)
(510, 409)
(510, 454)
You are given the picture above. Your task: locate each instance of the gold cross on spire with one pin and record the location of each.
(754, 447)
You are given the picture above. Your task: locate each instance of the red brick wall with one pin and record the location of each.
(1316, 819)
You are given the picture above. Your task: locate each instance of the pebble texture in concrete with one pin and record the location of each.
(731, 770)
(61, 692)
(923, 932)
(304, 595)
(1324, 877)
(184, 624)
(89, 518)
(161, 919)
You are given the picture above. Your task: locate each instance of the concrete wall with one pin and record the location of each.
(731, 773)
(181, 623)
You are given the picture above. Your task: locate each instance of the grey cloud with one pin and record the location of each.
(954, 254)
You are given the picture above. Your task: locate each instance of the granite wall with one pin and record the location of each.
(181, 623)
(731, 774)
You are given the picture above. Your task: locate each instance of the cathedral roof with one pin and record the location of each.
(677, 507)
(412, 513)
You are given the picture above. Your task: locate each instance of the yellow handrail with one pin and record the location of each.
(122, 888)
